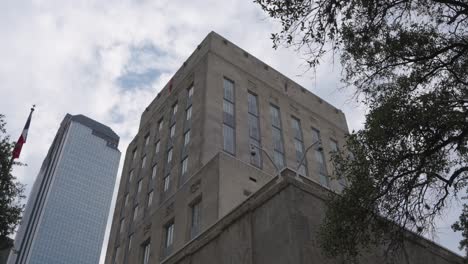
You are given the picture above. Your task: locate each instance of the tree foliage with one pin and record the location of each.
(11, 191)
(408, 62)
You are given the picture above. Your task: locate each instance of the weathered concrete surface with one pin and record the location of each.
(278, 225)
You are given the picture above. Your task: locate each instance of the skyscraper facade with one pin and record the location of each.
(223, 127)
(67, 210)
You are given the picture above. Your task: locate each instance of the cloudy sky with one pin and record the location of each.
(109, 59)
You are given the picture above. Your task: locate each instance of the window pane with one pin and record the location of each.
(189, 113)
(150, 198)
(143, 162)
(190, 92)
(130, 238)
(146, 254)
(169, 235)
(184, 165)
(228, 107)
(147, 140)
(315, 135)
(297, 128)
(130, 178)
(169, 155)
(173, 127)
(154, 172)
(254, 130)
(122, 225)
(228, 138)
(174, 109)
(277, 141)
(252, 104)
(126, 199)
(228, 90)
(279, 159)
(196, 219)
(160, 125)
(167, 182)
(157, 146)
(187, 138)
(139, 186)
(275, 116)
(135, 213)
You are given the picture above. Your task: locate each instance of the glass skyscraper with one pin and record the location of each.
(66, 214)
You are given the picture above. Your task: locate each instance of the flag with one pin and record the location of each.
(23, 136)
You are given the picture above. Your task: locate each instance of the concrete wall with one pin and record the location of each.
(279, 225)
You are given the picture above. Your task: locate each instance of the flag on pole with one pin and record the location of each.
(23, 136)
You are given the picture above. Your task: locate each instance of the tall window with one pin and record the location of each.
(135, 212)
(154, 171)
(190, 93)
(147, 138)
(228, 117)
(172, 133)
(166, 182)
(146, 252)
(195, 220)
(150, 199)
(320, 159)
(139, 186)
(130, 177)
(169, 235)
(122, 225)
(186, 138)
(117, 255)
(134, 154)
(174, 109)
(299, 146)
(157, 147)
(130, 240)
(278, 147)
(189, 113)
(160, 125)
(143, 162)
(184, 166)
(254, 129)
(334, 149)
(126, 199)
(169, 155)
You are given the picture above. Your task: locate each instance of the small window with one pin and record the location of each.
(143, 162)
(169, 235)
(184, 166)
(154, 171)
(169, 155)
(157, 147)
(135, 212)
(186, 138)
(147, 138)
(189, 113)
(139, 186)
(150, 198)
(174, 109)
(172, 133)
(167, 182)
(146, 253)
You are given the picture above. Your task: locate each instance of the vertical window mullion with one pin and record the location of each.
(229, 117)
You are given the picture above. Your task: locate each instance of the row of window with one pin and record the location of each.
(229, 130)
(166, 181)
(168, 235)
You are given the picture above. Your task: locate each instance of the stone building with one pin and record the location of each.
(192, 161)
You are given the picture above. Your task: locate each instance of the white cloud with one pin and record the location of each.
(66, 57)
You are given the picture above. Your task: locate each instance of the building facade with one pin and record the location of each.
(66, 213)
(192, 161)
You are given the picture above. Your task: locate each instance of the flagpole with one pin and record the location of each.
(12, 154)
